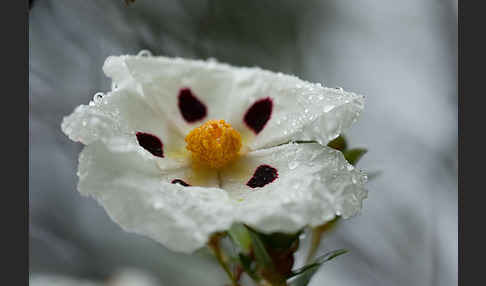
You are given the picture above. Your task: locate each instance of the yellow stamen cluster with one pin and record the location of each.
(215, 143)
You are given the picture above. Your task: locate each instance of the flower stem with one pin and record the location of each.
(317, 233)
(213, 244)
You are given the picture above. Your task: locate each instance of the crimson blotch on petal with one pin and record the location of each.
(151, 143)
(258, 114)
(192, 109)
(263, 175)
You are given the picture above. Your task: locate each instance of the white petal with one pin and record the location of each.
(301, 110)
(161, 79)
(115, 119)
(139, 198)
(136, 193)
(314, 184)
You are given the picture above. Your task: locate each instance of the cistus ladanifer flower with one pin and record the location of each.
(180, 149)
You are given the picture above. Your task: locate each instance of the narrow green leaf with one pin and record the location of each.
(318, 262)
(353, 155)
(304, 278)
(240, 236)
(330, 255)
(339, 143)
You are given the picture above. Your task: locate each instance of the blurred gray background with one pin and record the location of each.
(402, 55)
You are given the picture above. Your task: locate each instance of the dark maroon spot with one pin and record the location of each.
(192, 109)
(258, 114)
(151, 143)
(180, 182)
(263, 175)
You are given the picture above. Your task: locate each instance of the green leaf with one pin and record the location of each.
(240, 236)
(319, 260)
(353, 155)
(302, 276)
(329, 256)
(339, 143)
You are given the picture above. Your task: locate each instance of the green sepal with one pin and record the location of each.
(261, 255)
(241, 237)
(339, 143)
(279, 240)
(353, 155)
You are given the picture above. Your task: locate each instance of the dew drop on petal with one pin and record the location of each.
(144, 53)
(151, 143)
(293, 165)
(98, 96)
(263, 175)
(258, 114)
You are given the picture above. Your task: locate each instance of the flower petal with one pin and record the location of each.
(270, 108)
(314, 183)
(188, 92)
(141, 199)
(284, 108)
(118, 119)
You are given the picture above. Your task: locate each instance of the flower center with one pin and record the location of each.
(215, 143)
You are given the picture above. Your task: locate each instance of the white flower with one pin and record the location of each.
(242, 169)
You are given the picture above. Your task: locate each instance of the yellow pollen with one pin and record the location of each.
(215, 143)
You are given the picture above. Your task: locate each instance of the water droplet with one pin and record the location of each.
(98, 96)
(303, 235)
(293, 165)
(144, 53)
